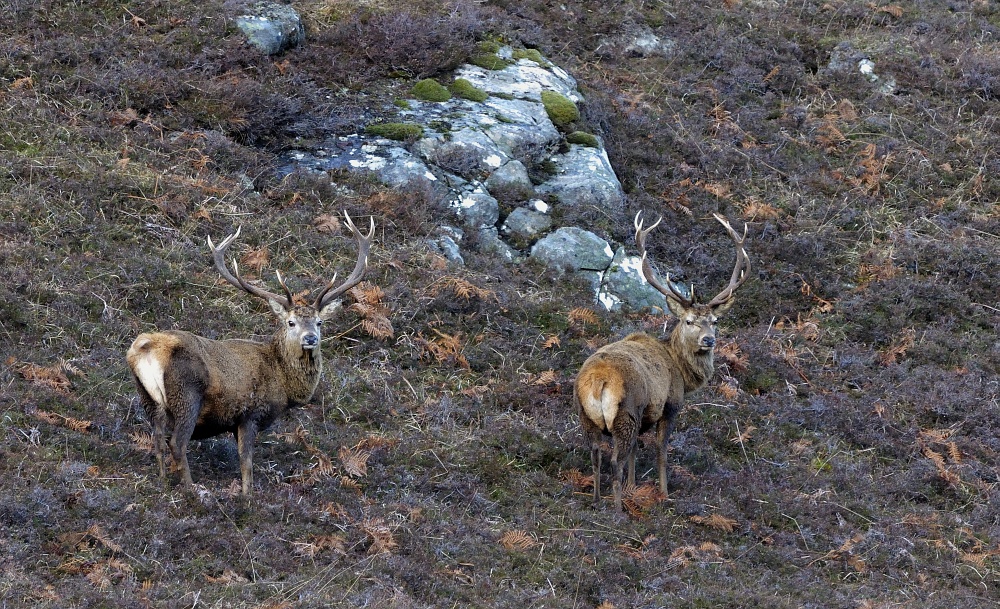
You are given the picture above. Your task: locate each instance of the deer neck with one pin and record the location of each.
(695, 366)
(302, 368)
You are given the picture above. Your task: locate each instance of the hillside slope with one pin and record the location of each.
(844, 455)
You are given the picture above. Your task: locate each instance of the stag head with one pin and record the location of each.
(697, 321)
(301, 323)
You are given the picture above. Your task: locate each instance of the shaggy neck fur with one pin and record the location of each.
(696, 366)
(304, 368)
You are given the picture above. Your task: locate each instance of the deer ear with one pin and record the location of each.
(676, 307)
(722, 307)
(329, 310)
(277, 308)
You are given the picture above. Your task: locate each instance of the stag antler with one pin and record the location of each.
(741, 271)
(329, 293)
(219, 253)
(670, 291)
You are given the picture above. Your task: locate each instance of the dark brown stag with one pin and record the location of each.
(193, 387)
(639, 382)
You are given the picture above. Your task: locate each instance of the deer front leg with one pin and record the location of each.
(246, 433)
(663, 428)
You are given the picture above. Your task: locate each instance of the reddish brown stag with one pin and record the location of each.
(193, 387)
(639, 382)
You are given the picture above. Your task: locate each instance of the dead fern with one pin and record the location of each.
(637, 500)
(354, 461)
(53, 377)
(517, 540)
(577, 479)
(445, 349)
(380, 535)
(78, 425)
(900, 345)
(717, 522)
(369, 305)
(582, 315)
(460, 288)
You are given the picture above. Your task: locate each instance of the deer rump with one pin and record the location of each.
(619, 381)
(179, 374)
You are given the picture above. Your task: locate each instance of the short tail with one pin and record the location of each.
(148, 368)
(600, 392)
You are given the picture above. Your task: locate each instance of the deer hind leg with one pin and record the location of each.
(246, 433)
(157, 421)
(184, 424)
(594, 439)
(623, 438)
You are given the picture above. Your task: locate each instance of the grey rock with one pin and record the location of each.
(446, 241)
(647, 44)
(490, 243)
(466, 151)
(477, 209)
(526, 224)
(624, 286)
(584, 177)
(573, 249)
(511, 182)
(523, 80)
(272, 27)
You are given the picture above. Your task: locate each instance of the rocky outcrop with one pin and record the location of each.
(482, 156)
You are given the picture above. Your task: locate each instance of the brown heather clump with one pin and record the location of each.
(846, 441)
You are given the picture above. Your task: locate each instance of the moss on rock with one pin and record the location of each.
(395, 131)
(561, 109)
(584, 139)
(530, 54)
(466, 90)
(431, 90)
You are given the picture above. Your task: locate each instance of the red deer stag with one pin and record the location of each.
(194, 387)
(627, 387)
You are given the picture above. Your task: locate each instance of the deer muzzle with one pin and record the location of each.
(310, 341)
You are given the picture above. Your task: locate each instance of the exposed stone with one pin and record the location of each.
(446, 244)
(524, 80)
(648, 44)
(624, 286)
(584, 177)
(573, 249)
(272, 27)
(511, 182)
(526, 224)
(477, 209)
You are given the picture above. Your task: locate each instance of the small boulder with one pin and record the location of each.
(573, 249)
(525, 224)
(272, 27)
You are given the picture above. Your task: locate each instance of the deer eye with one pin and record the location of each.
(291, 323)
(319, 322)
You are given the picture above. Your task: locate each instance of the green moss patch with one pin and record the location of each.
(561, 109)
(584, 139)
(530, 54)
(395, 131)
(431, 90)
(466, 90)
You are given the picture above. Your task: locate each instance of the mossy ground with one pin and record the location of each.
(845, 454)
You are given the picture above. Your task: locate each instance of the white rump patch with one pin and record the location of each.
(603, 410)
(150, 374)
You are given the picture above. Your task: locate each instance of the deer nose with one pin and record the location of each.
(310, 340)
(708, 341)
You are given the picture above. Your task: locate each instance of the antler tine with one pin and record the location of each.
(741, 270)
(219, 254)
(329, 293)
(670, 291)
